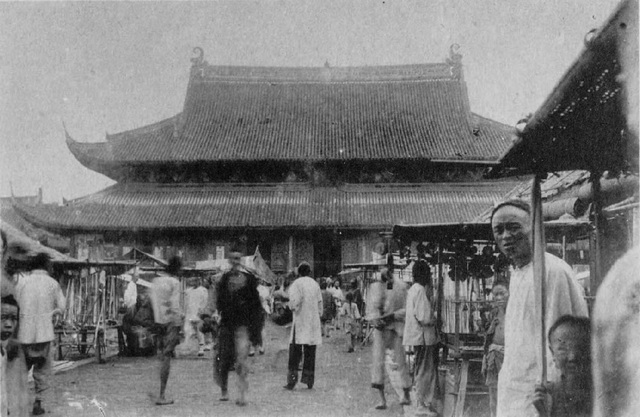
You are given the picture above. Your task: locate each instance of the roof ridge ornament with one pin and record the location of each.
(455, 61)
(198, 60)
(589, 37)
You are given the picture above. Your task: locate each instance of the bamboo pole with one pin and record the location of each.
(539, 272)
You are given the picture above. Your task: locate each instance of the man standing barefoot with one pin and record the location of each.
(165, 299)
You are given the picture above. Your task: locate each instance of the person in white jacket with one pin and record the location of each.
(41, 302)
(305, 301)
(511, 226)
(420, 334)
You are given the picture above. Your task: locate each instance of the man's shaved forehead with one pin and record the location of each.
(521, 204)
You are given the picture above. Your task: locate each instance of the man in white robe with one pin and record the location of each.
(511, 225)
(305, 301)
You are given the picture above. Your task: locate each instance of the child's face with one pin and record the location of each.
(9, 321)
(500, 295)
(571, 351)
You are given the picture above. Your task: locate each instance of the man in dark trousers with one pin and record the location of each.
(305, 301)
(240, 310)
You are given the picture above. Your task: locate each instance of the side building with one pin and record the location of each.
(304, 163)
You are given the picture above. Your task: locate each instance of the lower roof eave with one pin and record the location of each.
(72, 230)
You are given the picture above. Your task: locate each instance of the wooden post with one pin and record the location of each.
(539, 272)
(440, 289)
(596, 256)
(291, 265)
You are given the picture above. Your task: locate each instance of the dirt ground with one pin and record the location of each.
(126, 386)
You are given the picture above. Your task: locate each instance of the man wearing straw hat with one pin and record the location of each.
(512, 230)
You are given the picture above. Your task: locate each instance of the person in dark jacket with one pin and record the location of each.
(137, 325)
(239, 308)
(328, 309)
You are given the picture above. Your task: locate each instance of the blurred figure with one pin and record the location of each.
(195, 303)
(265, 299)
(387, 316)
(14, 395)
(338, 298)
(281, 312)
(352, 317)
(328, 309)
(494, 344)
(240, 311)
(42, 304)
(305, 301)
(616, 340)
(138, 324)
(357, 295)
(168, 317)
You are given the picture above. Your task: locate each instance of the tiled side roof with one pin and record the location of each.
(249, 114)
(147, 206)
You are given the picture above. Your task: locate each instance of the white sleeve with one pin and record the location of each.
(130, 294)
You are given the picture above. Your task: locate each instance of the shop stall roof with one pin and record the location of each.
(446, 232)
(589, 121)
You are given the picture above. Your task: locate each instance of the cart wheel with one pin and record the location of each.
(101, 347)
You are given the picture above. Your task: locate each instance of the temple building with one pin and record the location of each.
(304, 163)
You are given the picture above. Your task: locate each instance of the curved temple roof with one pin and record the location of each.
(132, 207)
(311, 114)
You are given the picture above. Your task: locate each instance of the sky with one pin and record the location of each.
(106, 67)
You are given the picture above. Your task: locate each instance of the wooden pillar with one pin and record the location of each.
(539, 271)
(290, 263)
(596, 265)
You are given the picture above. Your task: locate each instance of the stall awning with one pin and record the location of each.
(447, 232)
(590, 119)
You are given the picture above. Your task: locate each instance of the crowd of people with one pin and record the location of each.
(402, 317)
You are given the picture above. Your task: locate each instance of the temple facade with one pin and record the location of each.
(303, 163)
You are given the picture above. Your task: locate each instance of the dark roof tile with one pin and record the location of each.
(144, 206)
(243, 113)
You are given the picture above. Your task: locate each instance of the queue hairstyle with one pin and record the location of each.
(304, 269)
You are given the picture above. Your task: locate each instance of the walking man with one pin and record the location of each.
(420, 333)
(41, 303)
(511, 225)
(305, 301)
(387, 316)
(239, 306)
(165, 300)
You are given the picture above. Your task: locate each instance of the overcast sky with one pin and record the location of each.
(111, 66)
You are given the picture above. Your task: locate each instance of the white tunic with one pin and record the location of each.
(165, 300)
(520, 371)
(39, 296)
(195, 302)
(305, 301)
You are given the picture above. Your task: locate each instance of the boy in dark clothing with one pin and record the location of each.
(571, 396)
